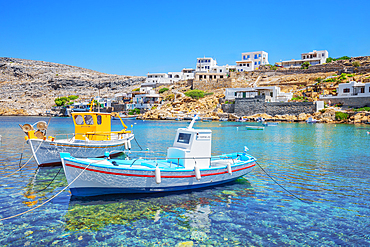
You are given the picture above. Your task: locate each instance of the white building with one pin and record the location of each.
(314, 58)
(205, 64)
(158, 79)
(252, 60)
(272, 93)
(350, 90)
(146, 98)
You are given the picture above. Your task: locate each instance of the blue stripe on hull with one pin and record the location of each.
(94, 191)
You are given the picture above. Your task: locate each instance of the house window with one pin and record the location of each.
(362, 90)
(346, 90)
(220, 70)
(241, 70)
(200, 76)
(255, 63)
(243, 57)
(259, 62)
(248, 56)
(255, 56)
(235, 94)
(259, 55)
(221, 76)
(247, 64)
(323, 54)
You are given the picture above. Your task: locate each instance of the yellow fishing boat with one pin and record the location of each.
(92, 138)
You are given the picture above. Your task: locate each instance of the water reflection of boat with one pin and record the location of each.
(189, 165)
(191, 210)
(45, 181)
(92, 138)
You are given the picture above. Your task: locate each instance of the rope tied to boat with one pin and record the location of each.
(280, 185)
(51, 198)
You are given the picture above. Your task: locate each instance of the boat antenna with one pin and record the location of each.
(192, 122)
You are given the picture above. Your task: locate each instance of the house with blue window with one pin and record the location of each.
(252, 60)
(314, 57)
(205, 64)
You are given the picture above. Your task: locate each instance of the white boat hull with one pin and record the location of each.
(101, 177)
(46, 152)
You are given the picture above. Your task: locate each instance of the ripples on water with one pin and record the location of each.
(324, 165)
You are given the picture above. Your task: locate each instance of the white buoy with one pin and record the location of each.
(229, 169)
(157, 175)
(197, 172)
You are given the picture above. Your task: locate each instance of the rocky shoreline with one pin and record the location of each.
(28, 88)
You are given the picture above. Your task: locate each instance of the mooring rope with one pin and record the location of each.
(137, 143)
(42, 204)
(279, 184)
(51, 181)
(20, 168)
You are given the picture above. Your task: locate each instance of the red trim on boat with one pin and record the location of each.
(140, 175)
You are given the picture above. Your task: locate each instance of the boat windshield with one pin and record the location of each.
(184, 138)
(89, 120)
(79, 120)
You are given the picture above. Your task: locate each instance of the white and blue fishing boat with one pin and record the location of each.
(188, 165)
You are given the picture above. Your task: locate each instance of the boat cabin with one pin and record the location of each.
(94, 126)
(191, 147)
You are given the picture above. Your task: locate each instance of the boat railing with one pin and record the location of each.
(210, 158)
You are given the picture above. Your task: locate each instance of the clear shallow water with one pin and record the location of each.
(324, 165)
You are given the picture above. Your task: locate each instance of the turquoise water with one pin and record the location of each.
(326, 166)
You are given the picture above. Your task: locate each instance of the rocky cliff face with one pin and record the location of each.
(29, 87)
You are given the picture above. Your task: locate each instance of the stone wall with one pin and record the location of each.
(251, 106)
(228, 108)
(357, 102)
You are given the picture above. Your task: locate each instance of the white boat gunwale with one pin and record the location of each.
(146, 168)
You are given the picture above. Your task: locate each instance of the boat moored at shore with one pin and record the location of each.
(92, 138)
(188, 165)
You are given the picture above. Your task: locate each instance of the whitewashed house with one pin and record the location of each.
(252, 60)
(352, 89)
(272, 93)
(146, 98)
(205, 64)
(314, 57)
(159, 79)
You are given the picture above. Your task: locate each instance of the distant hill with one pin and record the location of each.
(31, 85)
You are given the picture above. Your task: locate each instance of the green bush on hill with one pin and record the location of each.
(162, 90)
(341, 115)
(134, 111)
(195, 94)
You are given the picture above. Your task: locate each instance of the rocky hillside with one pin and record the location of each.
(29, 87)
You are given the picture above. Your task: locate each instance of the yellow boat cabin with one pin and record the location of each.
(95, 126)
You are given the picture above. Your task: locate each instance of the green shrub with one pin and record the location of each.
(362, 109)
(162, 90)
(356, 64)
(341, 116)
(61, 101)
(134, 111)
(72, 97)
(195, 94)
(330, 80)
(351, 75)
(343, 58)
(209, 93)
(305, 65)
(329, 59)
(136, 89)
(342, 77)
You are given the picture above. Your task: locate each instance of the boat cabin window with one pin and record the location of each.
(98, 119)
(184, 138)
(89, 120)
(79, 120)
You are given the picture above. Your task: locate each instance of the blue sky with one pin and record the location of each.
(137, 37)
